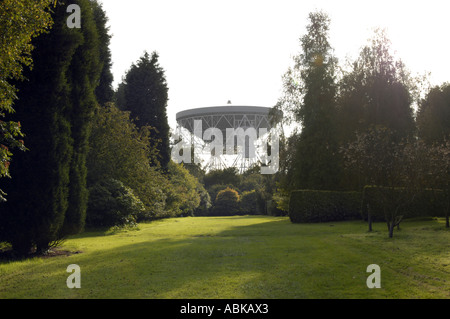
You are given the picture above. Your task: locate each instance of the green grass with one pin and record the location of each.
(242, 257)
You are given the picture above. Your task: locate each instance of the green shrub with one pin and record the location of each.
(111, 203)
(313, 206)
(205, 202)
(427, 203)
(216, 188)
(183, 196)
(226, 203)
(249, 203)
(273, 209)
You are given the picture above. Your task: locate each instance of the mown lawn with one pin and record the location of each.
(242, 257)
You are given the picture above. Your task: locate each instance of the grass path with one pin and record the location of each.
(242, 257)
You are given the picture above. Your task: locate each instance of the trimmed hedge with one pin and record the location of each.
(313, 206)
(428, 203)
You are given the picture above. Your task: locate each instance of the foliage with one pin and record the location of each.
(205, 202)
(144, 93)
(315, 206)
(251, 183)
(427, 203)
(104, 91)
(433, 116)
(113, 139)
(433, 124)
(20, 22)
(281, 198)
(216, 188)
(391, 163)
(226, 176)
(84, 71)
(183, 196)
(250, 203)
(46, 96)
(309, 99)
(111, 203)
(55, 107)
(226, 203)
(377, 90)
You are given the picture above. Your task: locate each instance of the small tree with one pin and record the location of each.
(439, 173)
(394, 165)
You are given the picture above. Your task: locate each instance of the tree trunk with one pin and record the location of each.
(369, 218)
(391, 226)
(42, 249)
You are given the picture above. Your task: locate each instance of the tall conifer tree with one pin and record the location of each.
(48, 194)
(38, 193)
(104, 91)
(310, 93)
(84, 74)
(144, 93)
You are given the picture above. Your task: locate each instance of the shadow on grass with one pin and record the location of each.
(271, 258)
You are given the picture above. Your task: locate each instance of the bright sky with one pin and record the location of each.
(214, 51)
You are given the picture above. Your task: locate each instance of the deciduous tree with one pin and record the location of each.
(20, 22)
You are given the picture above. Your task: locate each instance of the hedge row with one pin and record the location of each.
(428, 203)
(312, 206)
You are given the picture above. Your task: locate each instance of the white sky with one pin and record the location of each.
(214, 51)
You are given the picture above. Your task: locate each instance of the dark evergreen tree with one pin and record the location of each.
(38, 194)
(104, 91)
(433, 117)
(48, 196)
(144, 93)
(84, 74)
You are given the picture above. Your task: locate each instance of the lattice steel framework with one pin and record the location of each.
(223, 118)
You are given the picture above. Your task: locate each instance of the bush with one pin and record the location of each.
(226, 203)
(250, 203)
(183, 193)
(428, 203)
(111, 203)
(121, 151)
(205, 202)
(312, 206)
(272, 209)
(214, 190)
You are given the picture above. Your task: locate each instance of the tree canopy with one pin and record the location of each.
(144, 92)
